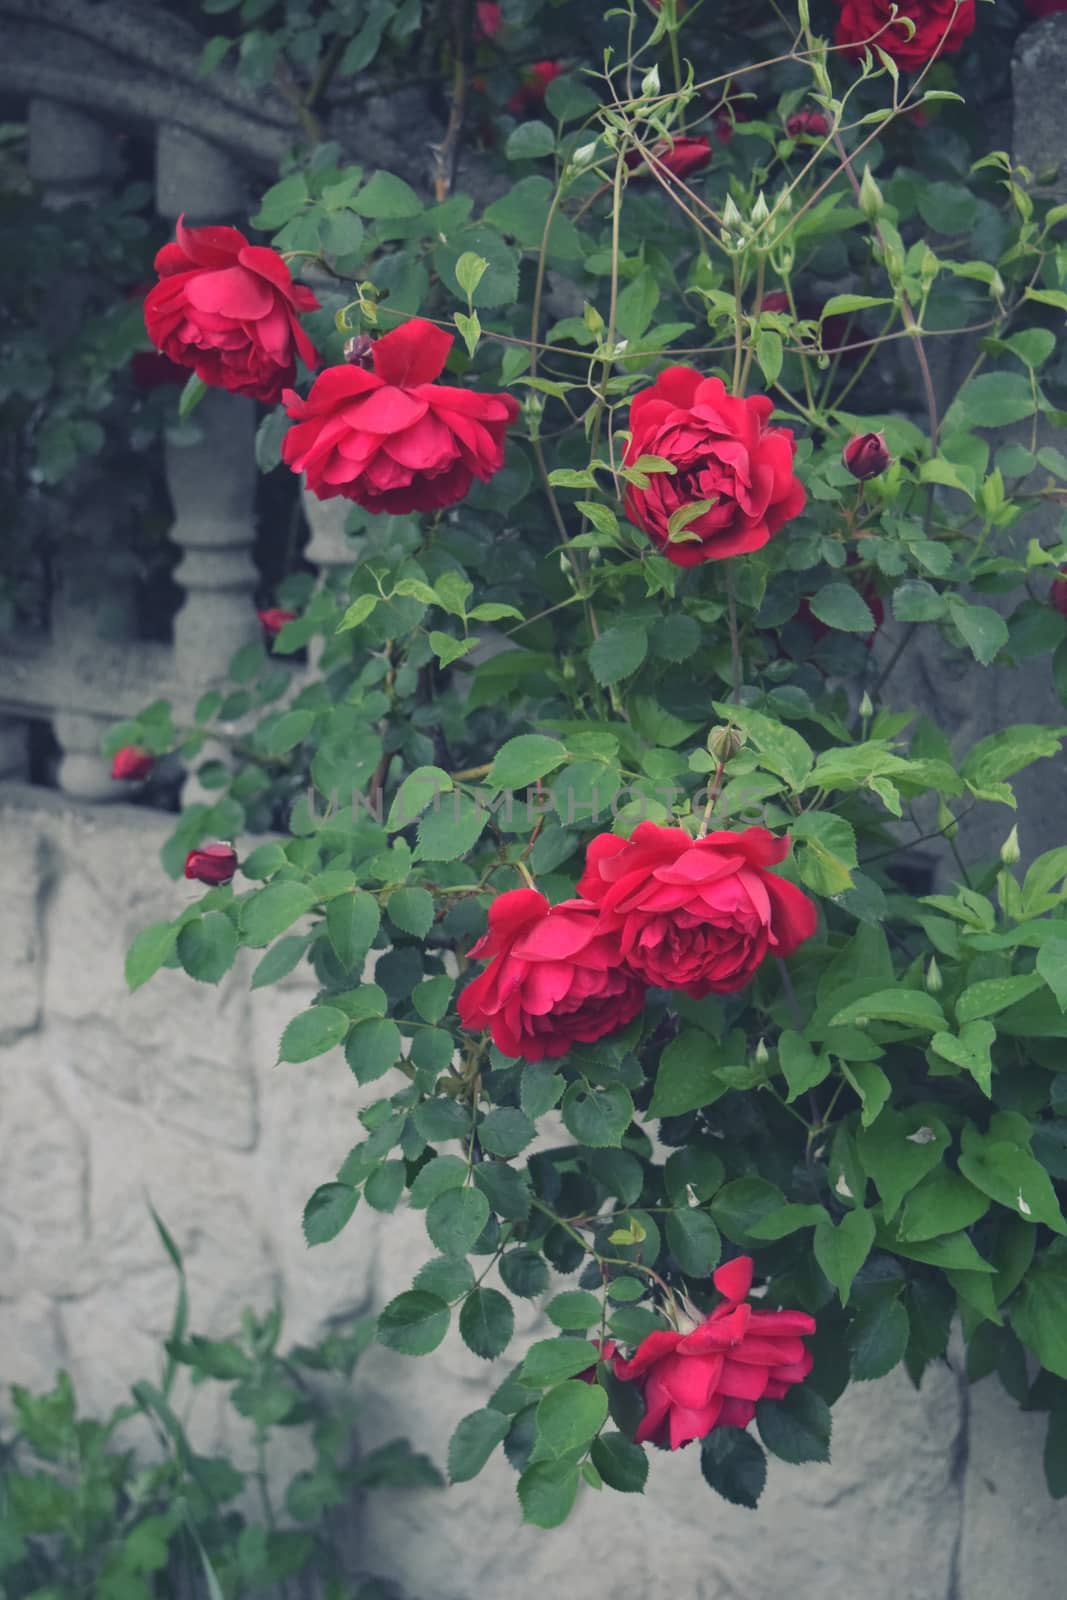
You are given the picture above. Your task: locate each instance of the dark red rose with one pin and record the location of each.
(810, 122)
(1058, 593)
(679, 158)
(1045, 8)
(393, 440)
(212, 863)
(132, 763)
(228, 309)
(530, 96)
(148, 369)
(777, 300)
(695, 914)
(274, 619)
(554, 978)
(713, 1376)
(866, 456)
(866, 588)
(724, 452)
(940, 28)
(487, 20)
(727, 113)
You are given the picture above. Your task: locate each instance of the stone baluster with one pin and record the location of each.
(328, 548)
(212, 480)
(72, 158)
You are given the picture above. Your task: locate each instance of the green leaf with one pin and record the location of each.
(944, 1202)
(694, 1241)
(872, 1086)
(414, 1323)
(547, 1491)
(192, 393)
(740, 1204)
(992, 995)
(569, 1415)
(801, 1067)
(782, 750)
(969, 1050)
(574, 1310)
(152, 947)
(540, 1088)
(992, 400)
(451, 829)
(358, 612)
(372, 1048)
(878, 1337)
(352, 922)
(597, 1117)
(841, 1251)
(470, 270)
(911, 1007)
(622, 1464)
(411, 910)
(1052, 965)
(826, 852)
(486, 1320)
(291, 729)
(685, 1078)
(506, 1131)
(270, 911)
(796, 1429)
(385, 1185)
(431, 997)
(1039, 1315)
(734, 1465)
(387, 198)
(897, 1151)
(618, 652)
(455, 1219)
(207, 946)
(439, 1174)
(523, 760)
(1012, 1177)
(421, 788)
(327, 1211)
(507, 1190)
(524, 1272)
(552, 1361)
(984, 631)
(915, 600)
(769, 354)
(312, 1033)
(529, 141)
(473, 1442)
(841, 606)
(280, 960)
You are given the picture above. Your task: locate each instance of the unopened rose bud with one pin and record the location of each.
(1009, 850)
(933, 980)
(866, 455)
(872, 201)
(812, 123)
(866, 707)
(946, 822)
(762, 1054)
(1058, 593)
(132, 763)
(724, 743)
(358, 349)
(212, 863)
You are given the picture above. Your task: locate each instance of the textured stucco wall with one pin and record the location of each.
(106, 1099)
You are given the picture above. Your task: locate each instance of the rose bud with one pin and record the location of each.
(1058, 593)
(132, 763)
(679, 157)
(358, 349)
(811, 123)
(274, 620)
(212, 863)
(487, 19)
(777, 300)
(866, 455)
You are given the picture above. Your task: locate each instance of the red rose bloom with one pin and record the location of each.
(228, 309)
(940, 28)
(274, 620)
(866, 456)
(132, 763)
(695, 914)
(679, 158)
(724, 452)
(554, 979)
(536, 79)
(1058, 593)
(712, 1377)
(810, 122)
(212, 863)
(392, 439)
(487, 19)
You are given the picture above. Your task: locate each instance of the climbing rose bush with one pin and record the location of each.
(590, 795)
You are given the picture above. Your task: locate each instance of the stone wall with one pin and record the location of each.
(108, 1100)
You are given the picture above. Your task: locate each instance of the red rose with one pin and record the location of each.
(777, 300)
(695, 914)
(1045, 8)
(554, 979)
(866, 588)
(724, 452)
(713, 1376)
(212, 863)
(536, 79)
(941, 26)
(393, 440)
(132, 763)
(274, 620)
(679, 158)
(487, 20)
(866, 456)
(228, 309)
(1058, 593)
(812, 123)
